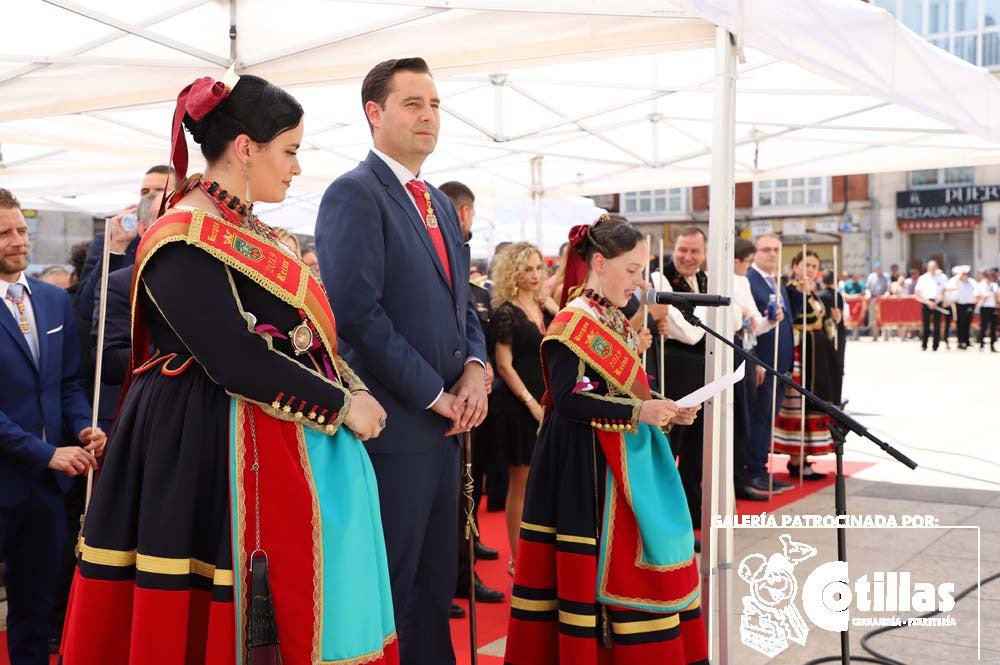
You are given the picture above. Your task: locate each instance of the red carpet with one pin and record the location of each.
(3, 650)
(491, 620)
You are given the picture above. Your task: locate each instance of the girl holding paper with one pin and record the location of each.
(605, 558)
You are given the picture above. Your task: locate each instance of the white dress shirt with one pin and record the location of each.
(743, 299)
(928, 287)
(987, 290)
(402, 173)
(965, 292)
(30, 337)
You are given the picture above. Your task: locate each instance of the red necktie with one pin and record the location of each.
(421, 195)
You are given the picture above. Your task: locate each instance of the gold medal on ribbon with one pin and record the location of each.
(302, 338)
(431, 221)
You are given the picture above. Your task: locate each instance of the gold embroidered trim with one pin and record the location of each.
(317, 544)
(648, 626)
(366, 658)
(238, 503)
(576, 539)
(517, 603)
(159, 565)
(537, 527)
(573, 619)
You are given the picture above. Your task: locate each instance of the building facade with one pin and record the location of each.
(830, 215)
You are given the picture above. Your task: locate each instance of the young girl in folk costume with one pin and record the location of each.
(236, 519)
(823, 373)
(605, 570)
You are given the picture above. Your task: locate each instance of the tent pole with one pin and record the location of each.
(717, 470)
(536, 197)
(233, 32)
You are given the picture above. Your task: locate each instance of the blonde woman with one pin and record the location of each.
(521, 315)
(290, 240)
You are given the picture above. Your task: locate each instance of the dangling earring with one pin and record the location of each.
(246, 177)
(600, 286)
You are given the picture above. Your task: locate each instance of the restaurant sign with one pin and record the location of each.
(943, 208)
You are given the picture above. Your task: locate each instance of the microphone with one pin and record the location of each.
(654, 297)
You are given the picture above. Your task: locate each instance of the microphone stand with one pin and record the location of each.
(842, 425)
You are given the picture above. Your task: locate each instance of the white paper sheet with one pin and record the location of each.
(712, 389)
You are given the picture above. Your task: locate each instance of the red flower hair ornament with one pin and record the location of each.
(196, 100)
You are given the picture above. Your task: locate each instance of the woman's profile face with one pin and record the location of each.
(622, 275)
(274, 164)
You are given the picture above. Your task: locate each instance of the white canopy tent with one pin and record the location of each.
(541, 98)
(613, 95)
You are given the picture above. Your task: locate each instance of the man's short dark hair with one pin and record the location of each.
(692, 230)
(8, 200)
(378, 81)
(743, 249)
(162, 168)
(458, 193)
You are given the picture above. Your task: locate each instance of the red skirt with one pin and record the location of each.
(555, 617)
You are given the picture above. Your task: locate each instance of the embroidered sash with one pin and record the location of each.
(281, 275)
(602, 348)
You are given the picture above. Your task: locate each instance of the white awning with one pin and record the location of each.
(613, 95)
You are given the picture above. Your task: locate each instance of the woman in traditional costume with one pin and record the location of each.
(605, 564)
(814, 349)
(237, 504)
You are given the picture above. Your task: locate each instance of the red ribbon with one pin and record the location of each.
(576, 267)
(577, 234)
(197, 100)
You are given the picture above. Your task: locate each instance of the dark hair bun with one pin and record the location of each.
(610, 236)
(254, 107)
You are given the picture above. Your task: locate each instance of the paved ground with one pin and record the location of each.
(941, 409)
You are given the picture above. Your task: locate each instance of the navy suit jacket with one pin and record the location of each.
(765, 343)
(48, 395)
(404, 330)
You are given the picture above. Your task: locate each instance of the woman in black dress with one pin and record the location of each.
(521, 315)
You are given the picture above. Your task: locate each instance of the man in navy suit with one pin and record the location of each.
(765, 281)
(40, 398)
(393, 260)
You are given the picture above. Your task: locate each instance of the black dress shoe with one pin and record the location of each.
(456, 611)
(749, 493)
(760, 483)
(808, 474)
(484, 552)
(484, 594)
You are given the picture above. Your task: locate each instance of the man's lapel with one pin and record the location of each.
(402, 199)
(43, 322)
